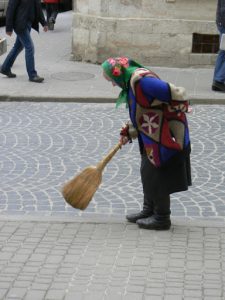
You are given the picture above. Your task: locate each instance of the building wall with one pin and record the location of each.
(155, 32)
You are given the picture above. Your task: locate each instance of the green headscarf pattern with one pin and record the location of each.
(120, 70)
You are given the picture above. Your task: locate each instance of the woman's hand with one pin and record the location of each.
(124, 135)
(124, 140)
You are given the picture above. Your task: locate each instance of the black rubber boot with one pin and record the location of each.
(155, 222)
(137, 216)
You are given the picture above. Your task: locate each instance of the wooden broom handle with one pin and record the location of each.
(101, 165)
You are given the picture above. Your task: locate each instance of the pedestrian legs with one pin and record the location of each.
(52, 10)
(219, 72)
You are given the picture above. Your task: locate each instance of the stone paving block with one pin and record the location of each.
(55, 294)
(212, 298)
(31, 269)
(135, 288)
(35, 295)
(16, 292)
(115, 290)
(193, 293)
(5, 256)
(114, 296)
(132, 296)
(93, 295)
(147, 297)
(74, 295)
(173, 297)
(154, 291)
(54, 259)
(174, 291)
(39, 286)
(174, 284)
(11, 270)
(213, 292)
(118, 282)
(78, 287)
(141, 261)
(3, 292)
(96, 287)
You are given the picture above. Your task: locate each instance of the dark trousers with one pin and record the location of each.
(52, 10)
(159, 206)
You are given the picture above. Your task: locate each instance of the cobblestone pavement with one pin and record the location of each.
(74, 261)
(44, 144)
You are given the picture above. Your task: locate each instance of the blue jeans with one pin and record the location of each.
(23, 40)
(219, 73)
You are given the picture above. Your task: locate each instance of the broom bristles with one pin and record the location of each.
(79, 191)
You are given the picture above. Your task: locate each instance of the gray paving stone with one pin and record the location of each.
(17, 293)
(55, 294)
(48, 171)
(3, 292)
(132, 296)
(74, 295)
(35, 295)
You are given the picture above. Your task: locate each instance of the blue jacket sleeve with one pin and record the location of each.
(154, 88)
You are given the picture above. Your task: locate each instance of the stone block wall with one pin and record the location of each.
(154, 32)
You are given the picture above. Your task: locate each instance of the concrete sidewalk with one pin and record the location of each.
(99, 258)
(66, 80)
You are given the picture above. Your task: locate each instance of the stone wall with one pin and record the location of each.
(154, 32)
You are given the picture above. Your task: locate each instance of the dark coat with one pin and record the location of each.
(220, 15)
(18, 14)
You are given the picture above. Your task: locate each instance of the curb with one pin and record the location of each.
(109, 219)
(7, 98)
(77, 99)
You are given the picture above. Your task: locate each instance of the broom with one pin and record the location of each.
(79, 191)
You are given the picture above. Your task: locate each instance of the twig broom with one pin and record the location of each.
(79, 191)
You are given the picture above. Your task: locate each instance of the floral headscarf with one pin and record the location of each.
(120, 70)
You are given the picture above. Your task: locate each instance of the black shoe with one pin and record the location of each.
(218, 86)
(134, 217)
(155, 223)
(8, 74)
(37, 79)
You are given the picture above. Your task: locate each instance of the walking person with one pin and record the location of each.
(219, 72)
(52, 9)
(21, 16)
(157, 119)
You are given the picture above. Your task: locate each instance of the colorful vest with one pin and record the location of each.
(162, 126)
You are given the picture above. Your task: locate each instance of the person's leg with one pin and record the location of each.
(160, 220)
(162, 206)
(48, 11)
(147, 204)
(54, 13)
(26, 40)
(219, 72)
(11, 57)
(158, 206)
(51, 20)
